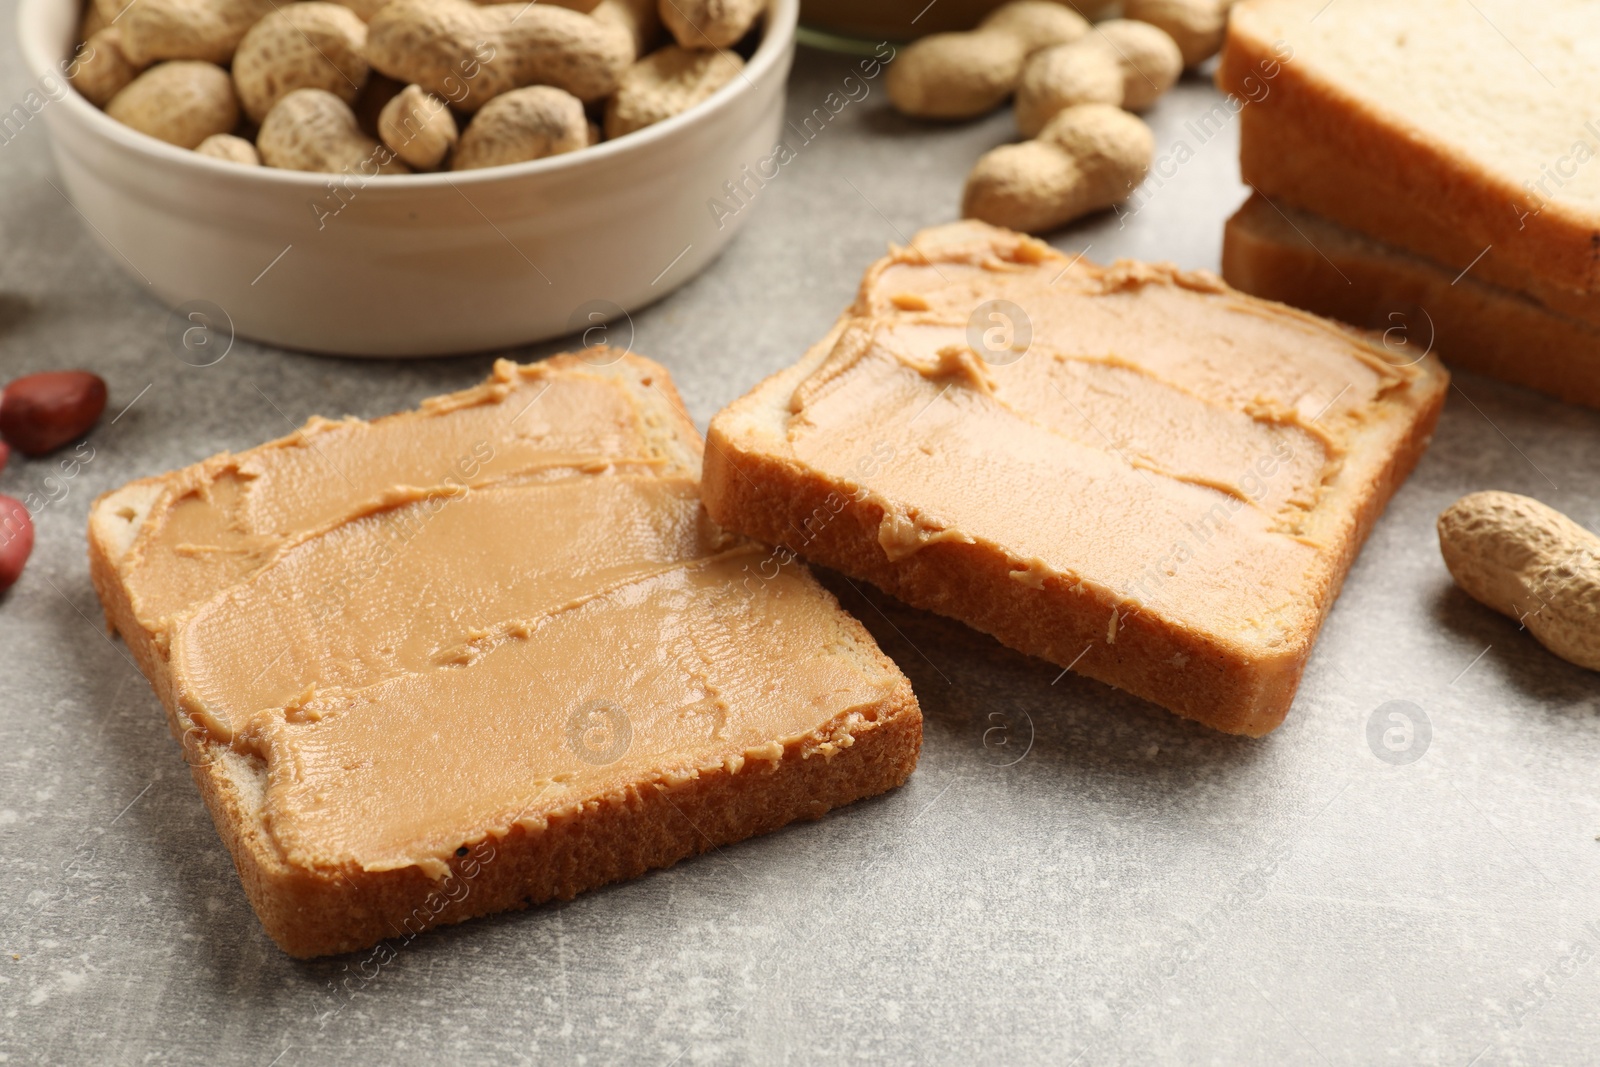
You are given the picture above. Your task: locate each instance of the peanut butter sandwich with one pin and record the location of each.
(1132, 470)
(484, 654)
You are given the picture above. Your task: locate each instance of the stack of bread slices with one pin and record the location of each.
(1429, 170)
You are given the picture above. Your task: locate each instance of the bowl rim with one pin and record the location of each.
(777, 41)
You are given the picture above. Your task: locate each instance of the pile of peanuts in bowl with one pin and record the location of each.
(1075, 82)
(400, 86)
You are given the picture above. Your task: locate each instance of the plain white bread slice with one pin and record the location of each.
(1451, 128)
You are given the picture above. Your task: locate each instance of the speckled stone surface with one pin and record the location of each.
(1072, 875)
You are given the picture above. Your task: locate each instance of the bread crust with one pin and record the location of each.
(1313, 264)
(1316, 146)
(1298, 171)
(610, 837)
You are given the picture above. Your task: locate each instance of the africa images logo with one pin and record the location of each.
(1399, 732)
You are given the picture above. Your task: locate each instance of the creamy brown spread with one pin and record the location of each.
(1156, 439)
(487, 612)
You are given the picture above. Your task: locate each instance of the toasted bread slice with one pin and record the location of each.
(485, 654)
(1282, 253)
(1133, 471)
(1456, 129)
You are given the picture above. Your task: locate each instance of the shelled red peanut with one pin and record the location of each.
(38, 414)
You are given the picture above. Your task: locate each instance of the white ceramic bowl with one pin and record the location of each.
(415, 265)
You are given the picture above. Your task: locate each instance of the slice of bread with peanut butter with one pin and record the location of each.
(1132, 470)
(485, 654)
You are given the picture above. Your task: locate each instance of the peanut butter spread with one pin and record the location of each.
(1141, 432)
(433, 626)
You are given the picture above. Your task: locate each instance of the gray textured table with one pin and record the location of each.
(1071, 876)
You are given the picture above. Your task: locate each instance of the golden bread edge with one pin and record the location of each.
(1304, 173)
(611, 838)
(1414, 190)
